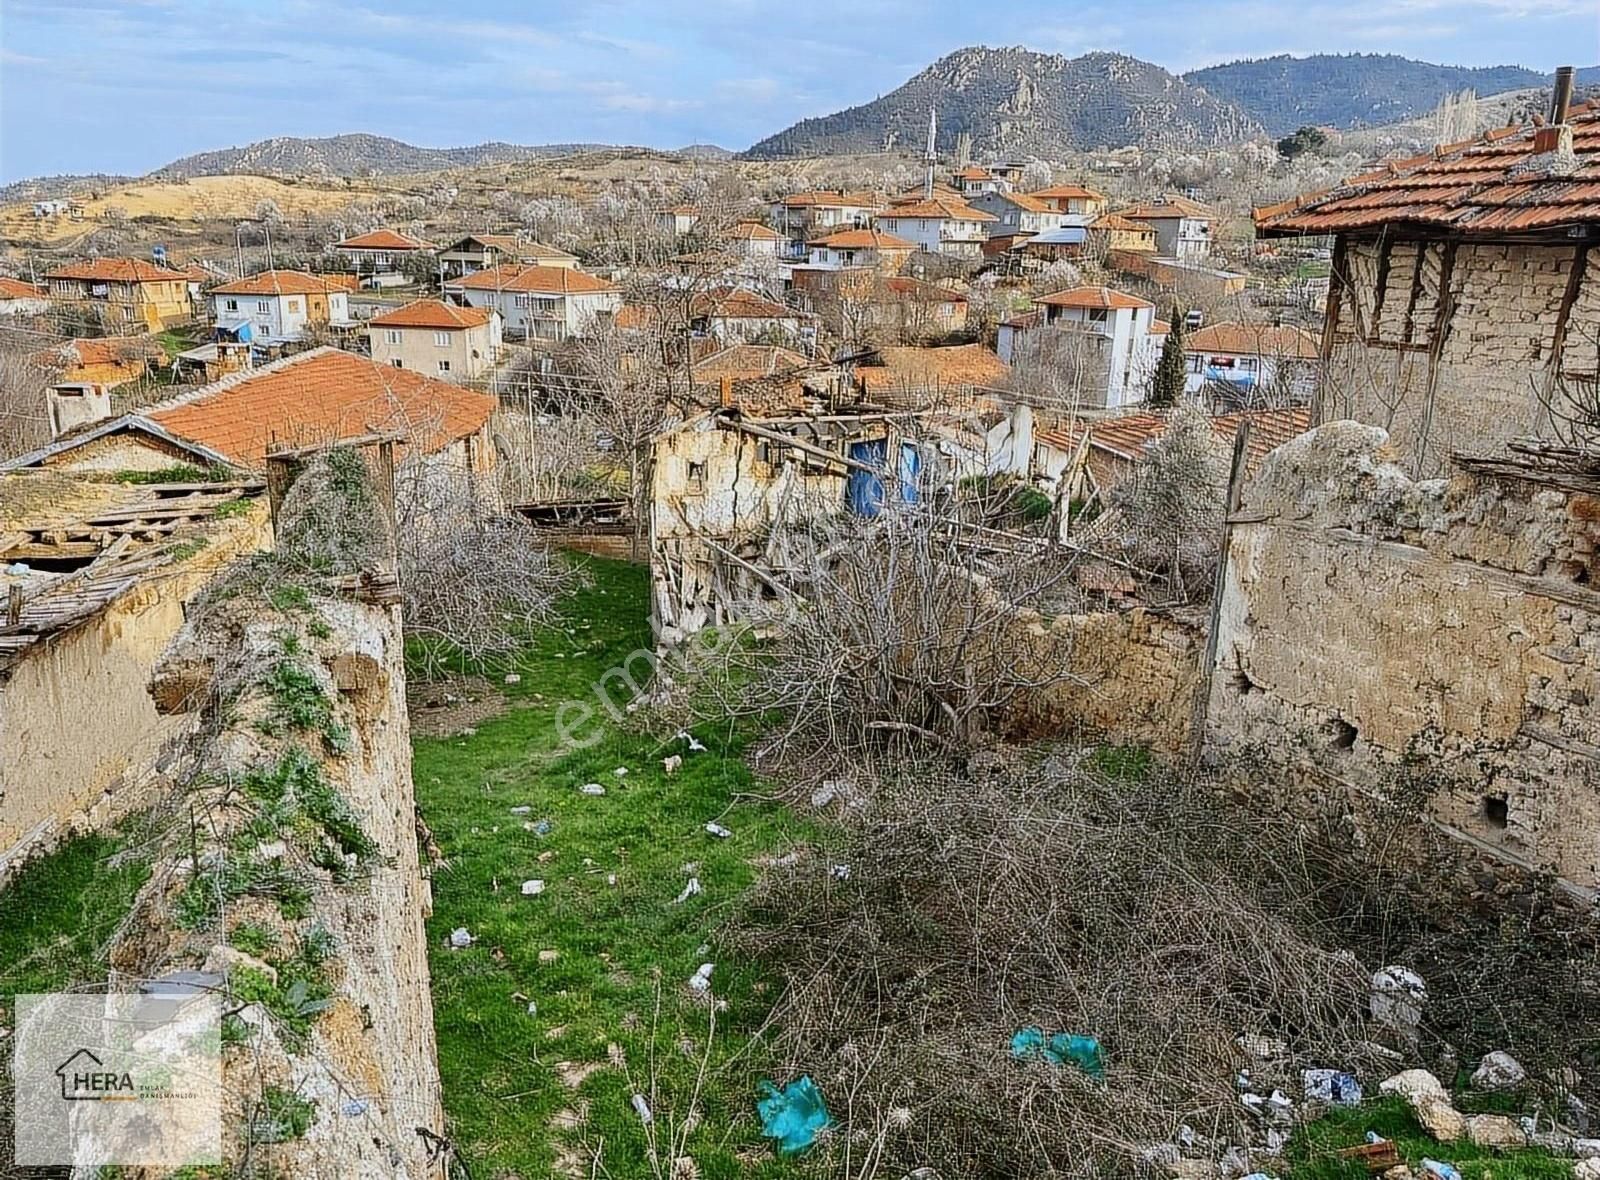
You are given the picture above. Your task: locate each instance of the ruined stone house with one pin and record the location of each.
(1462, 300)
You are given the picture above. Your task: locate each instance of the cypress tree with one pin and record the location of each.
(1166, 384)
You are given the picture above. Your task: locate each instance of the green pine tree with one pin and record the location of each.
(1166, 384)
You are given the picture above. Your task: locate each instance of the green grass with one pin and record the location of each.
(1311, 1155)
(614, 941)
(57, 913)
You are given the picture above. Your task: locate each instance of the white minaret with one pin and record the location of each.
(929, 158)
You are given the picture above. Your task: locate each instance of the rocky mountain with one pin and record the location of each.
(354, 155)
(1014, 101)
(1352, 89)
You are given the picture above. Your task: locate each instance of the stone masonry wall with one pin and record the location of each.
(1442, 635)
(1474, 384)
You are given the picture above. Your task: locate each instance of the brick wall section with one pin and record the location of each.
(1367, 617)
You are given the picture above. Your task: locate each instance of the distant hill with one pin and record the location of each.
(354, 155)
(1352, 90)
(1016, 101)
(704, 151)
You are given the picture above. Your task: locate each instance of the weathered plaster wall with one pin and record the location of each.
(1367, 618)
(80, 740)
(1465, 376)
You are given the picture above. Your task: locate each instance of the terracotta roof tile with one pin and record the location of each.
(1102, 298)
(736, 303)
(384, 239)
(431, 313)
(753, 231)
(117, 270)
(281, 282)
(17, 289)
(549, 280)
(941, 208)
(863, 239)
(745, 362)
(1118, 223)
(1065, 192)
(921, 368)
(1168, 207)
(1501, 181)
(1128, 436)
(1267, 340)
(320, 396)
(831, 199)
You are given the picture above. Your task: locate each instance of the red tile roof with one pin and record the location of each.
(548, 280)
(973, 172)
(831, 199)
(117, 270)
(1500, 181)
(1121, 224)
(1267, 340)
(901, 285)
(1129, 435)
(745, 362)
(1066, 192)
(1101, 298)
(281, 282)
(91, 351)
(921, 368)
(753, 231)
(431, 313)
(863, 239)
(384, 239)
(320, 396)
(739, 304)
(17, 289)
(941, 208)
(1167, 208)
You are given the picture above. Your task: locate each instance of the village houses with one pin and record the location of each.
(973, 181)
(124, 292)
(437, 339)
(752, 239)
(1116, 232)
(19, 298)
(83, 373)
(280, 306)
(1110, 340)
(477, 252)
(940, 225)
(1243, 364)
(1022, 213)
(548, 303)
(876, 249)
(1183, 227)
(381, 251)
(678, 220)
(738, 315)
(807, 215)
(1071, 198)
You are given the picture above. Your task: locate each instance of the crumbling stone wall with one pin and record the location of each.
(1438, 637)
(1448, 346)
(80, 742)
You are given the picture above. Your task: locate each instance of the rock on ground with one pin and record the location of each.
(1429, 1101)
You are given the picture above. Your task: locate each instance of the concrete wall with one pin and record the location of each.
(80, 740)
(1440, 637)
(1465, 377)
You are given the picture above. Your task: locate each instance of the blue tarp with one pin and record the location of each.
(1084, 1052)
(794, 1115)
(863, 490)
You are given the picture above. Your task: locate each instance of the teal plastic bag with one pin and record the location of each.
(1084, 1052)
(794, 1115)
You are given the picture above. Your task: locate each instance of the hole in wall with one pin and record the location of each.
(1497, 811)
(1241, 682)
(1342, 735)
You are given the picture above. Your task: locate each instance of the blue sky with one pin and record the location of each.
(127, 85)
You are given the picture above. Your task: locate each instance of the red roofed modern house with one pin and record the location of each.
(481, 251)
(1251, 364)
(807, 215)
(753, 239)
(381, 250)
(442, 340)
(318, 396)
(1023, 213)
(19, 298)
(736, 315)
(1071, 198)
(1183, 227)
(861, 247)
(973, 181)
(1465, 293)
(539, 302)
(940, 225)
(280, 305)
(1098, 346)
(124, 292)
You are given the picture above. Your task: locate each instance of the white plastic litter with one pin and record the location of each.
(840, 872)
(523, 810)
(700, 981)
(620, 771)
(717, 830)
(642, 1109)
(460, 938)
(695, 746)
(671, 763)
(692, 889)
(592, 789)
(532, 888)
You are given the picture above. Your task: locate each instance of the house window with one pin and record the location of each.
(396, 363)
(1196, 362)
(441, 339)
(294, 307)
(232, 305)
(393, 335)
(697, 476)
(444, 366)
(263, 307)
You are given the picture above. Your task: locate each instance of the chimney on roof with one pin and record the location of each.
(1555, 138)
(1561, 98)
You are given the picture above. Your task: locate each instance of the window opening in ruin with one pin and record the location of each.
(697, 476)
(1497, 811)
(1344, 734)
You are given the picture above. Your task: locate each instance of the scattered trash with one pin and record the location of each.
(460, 938)
(1397, 999)
(671, 763)
(1261, 1048)
(1259, 1176)
(692, 889)
(513, 678)
(523, 810)
(1331, 1085)
(1435, 1170)
(533, 1007)
(1084, 1052)
(591, 789)
(700, 981)
(717, 830)
(611, 878)
(532, 888)
(694, 743)
(18, 569)
(1188, 1138)
(825, 794)
(794, 1115)
(549, 956)
(1377, 1154)
(1498, 1071)
(620, 772)
(353, 1108)
(642, 1109)
(840, 872)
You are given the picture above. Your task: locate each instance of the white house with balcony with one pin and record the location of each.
(1110, 341)
(1183, 227)
(382, 250)
(280, 305)
(1240, 364)
(539, 302)
(1019, 213)
(873, 248)
(940, 225)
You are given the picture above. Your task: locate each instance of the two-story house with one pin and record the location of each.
(124, 292)
(539, 302)
(678, 220)
(803, 216)
(873, 248)
(279, 305)
(1183, 227)
(736, 314)
(753, 239)
(972, 181)
(1018, 213)
(1103, 343)
(1113, 231)
(477, 252)
(381, 251)
(1244, 364)
(437, 339)
(1071, 198)
(940, 225)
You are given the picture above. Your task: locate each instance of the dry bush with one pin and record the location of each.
(24, 381)
(906, 635)
(1137, 908)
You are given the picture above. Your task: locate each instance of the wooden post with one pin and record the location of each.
(1441, 329)
(1202, 700)
(1330, 324)
(14, 606)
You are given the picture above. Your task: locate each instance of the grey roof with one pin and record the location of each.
(126, 422)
